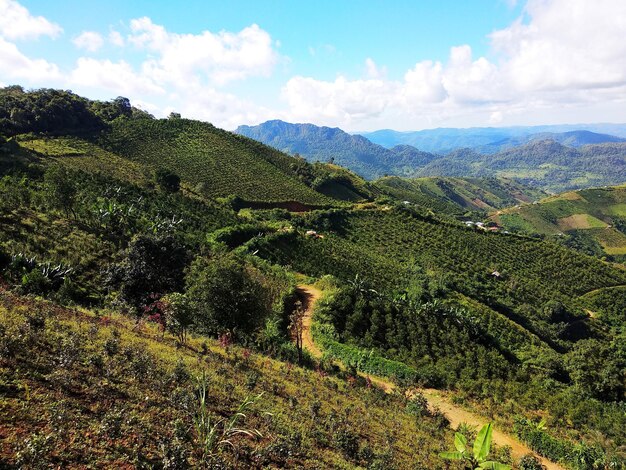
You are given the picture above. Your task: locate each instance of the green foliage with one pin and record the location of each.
(477, 457)
(226, 295)
(44, 110)
(153, 266)
(60, 189)
(213, 433)
(167, 180)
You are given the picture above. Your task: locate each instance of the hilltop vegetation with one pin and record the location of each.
(590, 220)
(127, 269)
(459, 195)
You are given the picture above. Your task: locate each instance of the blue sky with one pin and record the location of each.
(360, 65)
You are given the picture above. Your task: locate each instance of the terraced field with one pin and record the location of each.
(593, 220)
(214, 161)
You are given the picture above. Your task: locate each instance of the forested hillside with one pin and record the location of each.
(332, 144)
(150, 314)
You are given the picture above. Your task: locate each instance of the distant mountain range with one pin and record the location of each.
(325, 144)
(552, 161)
(494, 139)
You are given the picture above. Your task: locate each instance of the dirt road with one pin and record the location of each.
(436, 398)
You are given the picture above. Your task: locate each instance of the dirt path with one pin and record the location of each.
(308, 296)
(436, 398)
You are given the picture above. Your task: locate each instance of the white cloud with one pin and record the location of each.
(15, 65)
(218, 57)
(16, 22)
(89, 40)
(118, 77)
(560, 55)
(340, 101)
(373, 70)
(222, 109)
(424, 84)
(116, 38)
(565, 44)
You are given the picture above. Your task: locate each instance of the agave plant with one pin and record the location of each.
(476, 457)
(215, 433)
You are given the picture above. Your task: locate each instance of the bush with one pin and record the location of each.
(226, 296)
(530, 462)
(167, 180)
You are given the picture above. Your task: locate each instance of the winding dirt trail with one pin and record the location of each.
(309, 295)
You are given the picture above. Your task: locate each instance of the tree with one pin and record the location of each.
(60, 189)
(225, 295)
(477, 458)
(296, 326)
(153, 265)
(180, 314)
(167, 180)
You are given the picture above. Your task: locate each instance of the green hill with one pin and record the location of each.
(126, 271)
(592, 220)
(459, 195)
(544, 164)
(132, 145)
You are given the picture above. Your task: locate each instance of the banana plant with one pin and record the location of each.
(476, 457)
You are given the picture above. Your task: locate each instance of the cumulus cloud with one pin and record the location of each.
(89, 40)
(566, 44)
(116, 38)
(118, 77)
(15, 65)
(560, 53)
(219, 57)
(16, 22)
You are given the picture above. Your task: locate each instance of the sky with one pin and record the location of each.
(361, 65)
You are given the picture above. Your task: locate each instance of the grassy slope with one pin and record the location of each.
(89, 399)
(592, 213)
(455, 195)
(221, 162)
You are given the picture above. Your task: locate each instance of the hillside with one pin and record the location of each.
(113, 227)
(592, 220)
(116, 138)
(332, 144)
(107, 394)
(459, 195)
(545, 164)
